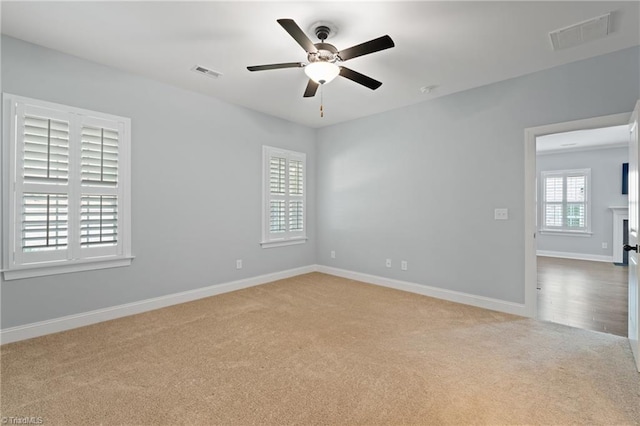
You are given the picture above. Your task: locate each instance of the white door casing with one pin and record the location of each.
(634, 224)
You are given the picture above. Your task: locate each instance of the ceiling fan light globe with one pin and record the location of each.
(322, 72)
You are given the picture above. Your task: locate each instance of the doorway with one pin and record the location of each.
(580, 194)
(532, 208)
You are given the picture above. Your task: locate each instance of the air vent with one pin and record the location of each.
(581, 32)
(206, 71)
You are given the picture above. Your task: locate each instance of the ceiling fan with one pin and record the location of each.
(324, 57)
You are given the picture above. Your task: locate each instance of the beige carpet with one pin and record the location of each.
(318, 349)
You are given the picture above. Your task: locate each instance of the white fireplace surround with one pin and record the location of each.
(620, 214)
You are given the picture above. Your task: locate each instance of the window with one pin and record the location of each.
(67, 189)
(284, 197)
(565, 203)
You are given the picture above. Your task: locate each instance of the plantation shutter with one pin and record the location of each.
(42, 192)
(45, 222)
(277, 192)
(284, 195)
(296, 192)
(98, 221)
(100, 195)
(99, 158)
(554, 190)
(46, 150)
(565, 204)
(576, 210)
(69, 203)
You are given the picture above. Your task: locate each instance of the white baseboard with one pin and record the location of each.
(439, 293)
(577, 256)
(41, 328)
(69, 322)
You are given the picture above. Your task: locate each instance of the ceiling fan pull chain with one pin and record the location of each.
(321, 100)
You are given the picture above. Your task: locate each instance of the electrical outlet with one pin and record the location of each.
(404, 265)
(333, 254)
(605, 245)
(388, 263)
(501, 214)
(238, 263)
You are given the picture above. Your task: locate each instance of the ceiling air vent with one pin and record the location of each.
(581, 32)
(206, 71)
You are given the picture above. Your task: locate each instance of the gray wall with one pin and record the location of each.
(196, 186)
(606, 188)
(418, 183)
(421, 183)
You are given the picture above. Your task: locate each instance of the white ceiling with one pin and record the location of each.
(606, 137)
(453, 45)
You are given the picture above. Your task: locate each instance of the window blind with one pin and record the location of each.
(99, 156)
(277, 217)
(295, 177)
(277, 175)
(554, 190)
(69, 208)
(575, 188)
(564, 200)
(296, 216)
(98, 221)
(284, 174)
(44, 222)
(45, 150)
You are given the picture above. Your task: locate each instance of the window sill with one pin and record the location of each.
(30, 271)
(282, 243)
(567, 233)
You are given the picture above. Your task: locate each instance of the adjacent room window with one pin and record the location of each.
(67, 192)
(284, 197)
(565, 203)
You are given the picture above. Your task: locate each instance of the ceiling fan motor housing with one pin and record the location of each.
(326, 53)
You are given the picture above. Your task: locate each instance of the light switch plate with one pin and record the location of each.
(501, 214)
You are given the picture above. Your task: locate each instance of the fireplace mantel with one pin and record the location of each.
(620, 214)
(620, 209)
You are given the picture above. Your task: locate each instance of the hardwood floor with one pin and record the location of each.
(583, 294)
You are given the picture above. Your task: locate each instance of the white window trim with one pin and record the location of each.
(541, 209)
(567, 233)
(269, 241)
(283, 243)
(91, 259)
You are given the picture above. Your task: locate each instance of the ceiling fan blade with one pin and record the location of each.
(312, 88)
(298, 35)
(275, 66)
(360, 78)
(371, 46)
